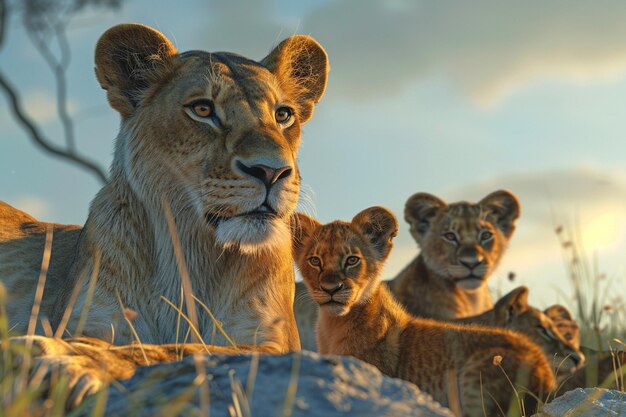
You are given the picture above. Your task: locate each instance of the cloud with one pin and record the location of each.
(35, 206)
(487, 49)
(42, 106)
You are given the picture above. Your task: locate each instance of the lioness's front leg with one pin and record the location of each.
(88, 364)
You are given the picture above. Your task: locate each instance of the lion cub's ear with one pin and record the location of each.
(511, 305)
(302, 229)
(129, 58)
(419, 211)
(504, 208)
(301, 65)
(379, 226)
(558, 312)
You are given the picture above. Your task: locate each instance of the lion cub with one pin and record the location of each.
(513, 312)
(341, 263)
(461, 245)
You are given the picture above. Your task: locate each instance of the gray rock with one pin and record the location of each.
(587, 402)
(298, 384)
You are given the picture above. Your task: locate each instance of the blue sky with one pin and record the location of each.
(453, 98)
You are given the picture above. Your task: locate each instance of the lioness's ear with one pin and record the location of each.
(379, 226)
(558, 312)
(511, 305)
(504, 209)
(419, 211)
(302, 229)
(129, 58)
(301, 64)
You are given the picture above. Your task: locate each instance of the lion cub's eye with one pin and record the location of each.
(450, 237)
(284, 115)
(352, 260)
(202, 108)
(315, 261)
(485, 236)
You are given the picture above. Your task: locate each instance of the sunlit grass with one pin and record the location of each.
(600, 314)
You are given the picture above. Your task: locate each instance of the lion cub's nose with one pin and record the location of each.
(331, 287)
(266, 174)
(471, 262)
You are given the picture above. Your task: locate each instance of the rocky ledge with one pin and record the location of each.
(300, 384)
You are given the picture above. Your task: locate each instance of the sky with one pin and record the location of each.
(457, 99)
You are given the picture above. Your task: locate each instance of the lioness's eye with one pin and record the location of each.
(352, 260)
(283, 115)
(315, 261)
(486, 235)
(202, 108)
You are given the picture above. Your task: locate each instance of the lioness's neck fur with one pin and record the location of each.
(137, 260)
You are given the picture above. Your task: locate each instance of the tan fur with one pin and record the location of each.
(361, 318)
(513, 312)
(448, 279)
(230, 181)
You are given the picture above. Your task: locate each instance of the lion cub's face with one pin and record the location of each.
(215, 134)
(462, 242)
(513, 312)
(340, 262)
(565, 323)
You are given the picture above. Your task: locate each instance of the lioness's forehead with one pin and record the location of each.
(229, 68)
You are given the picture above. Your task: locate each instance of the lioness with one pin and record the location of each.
(341, 262)
(461, 245)
(203, 184)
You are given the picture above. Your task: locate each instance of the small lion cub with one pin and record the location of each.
(463, 366)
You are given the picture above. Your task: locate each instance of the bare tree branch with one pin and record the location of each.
(39, 139)
(58, 68)
(3, 20)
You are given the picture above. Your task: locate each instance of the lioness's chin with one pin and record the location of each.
(471, 283)
(253, 234)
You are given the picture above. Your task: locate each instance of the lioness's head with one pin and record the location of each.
(340, 262)
(513, 312)
(213, 134)
(462, 242)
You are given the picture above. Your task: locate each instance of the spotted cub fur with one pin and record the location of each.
(341, 263)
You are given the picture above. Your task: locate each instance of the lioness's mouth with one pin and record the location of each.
(264, 211)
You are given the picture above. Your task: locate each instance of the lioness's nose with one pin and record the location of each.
(266, 174)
